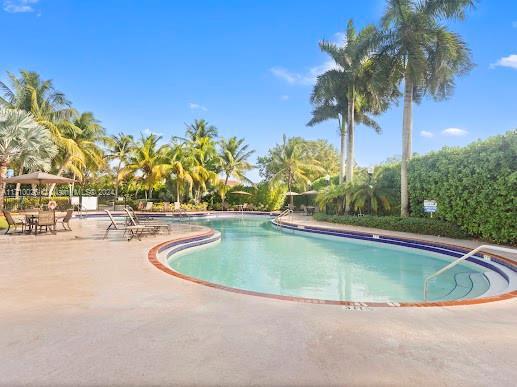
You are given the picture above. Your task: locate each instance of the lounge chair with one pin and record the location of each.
(156, 225)
(132, 231)
(46, 219)
(65, 222)
(12, 222)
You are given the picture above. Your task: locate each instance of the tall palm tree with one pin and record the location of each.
(87, 132)
(355, 72)
(233, 159)
(200, 129)
(49, 107)
(178, 161)
(291, 165)
(118, 149)
(21, 136)
(418, 48)
(149, 160)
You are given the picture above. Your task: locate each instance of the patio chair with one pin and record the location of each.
(45, 219)
(65, 222)
(154, 224)
(12, 222)
(304, 209)
(132, 231)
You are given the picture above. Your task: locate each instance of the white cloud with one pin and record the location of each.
(148, 132)
(506, 61)
(19, 6)
(196, 106)
(284, 97)
(339, 38)
(454, 132)
(426, 134)
(306, 78)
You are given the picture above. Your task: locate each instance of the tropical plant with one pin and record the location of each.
(233, 159)
(118, 149)
(22, 137)
(200, 129)
(291, 165)
(370, 194)
(149, 160)
(333, 194)
(49, 107)
(178, 164)
(416, 47)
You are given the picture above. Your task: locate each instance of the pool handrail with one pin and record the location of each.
(284, 213)
(461, 259)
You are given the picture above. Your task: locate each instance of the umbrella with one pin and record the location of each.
(240, 193)
(290, 193)
(312, 192)
(39, 178)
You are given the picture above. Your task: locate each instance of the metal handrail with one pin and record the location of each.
(461, 259)
(284, 213)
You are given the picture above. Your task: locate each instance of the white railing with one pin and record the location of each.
(461, 259)
(284, 213)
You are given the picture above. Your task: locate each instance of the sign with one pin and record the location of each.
(430, 206)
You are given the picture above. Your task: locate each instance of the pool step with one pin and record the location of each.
(462, 288)
(479, 285)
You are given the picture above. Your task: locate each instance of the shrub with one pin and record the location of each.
(426, 226)
(63, 202)
(3, 222)
(475, 186)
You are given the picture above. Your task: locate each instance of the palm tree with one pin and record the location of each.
(372, 194)
(21, 136)
(200, 129)
(291, 165)
(49, 107)
(87, 132)
(150, 160)
(233, 159)
(419, 50)
(178, 162)
(119, 147)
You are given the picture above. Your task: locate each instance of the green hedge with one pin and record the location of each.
(475, 186)
(3, 222)
(63, 202)
(426, 226)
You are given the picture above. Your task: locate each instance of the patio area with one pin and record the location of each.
(79, 310)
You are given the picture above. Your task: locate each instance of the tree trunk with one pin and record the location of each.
(342, 133)
(350, 149)
(18, 185)
(224, 188)
(406, 147)
(177, 190)
(3, 176)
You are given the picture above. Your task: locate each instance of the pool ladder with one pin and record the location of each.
(461, 259)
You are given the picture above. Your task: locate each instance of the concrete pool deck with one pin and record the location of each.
(77, 310)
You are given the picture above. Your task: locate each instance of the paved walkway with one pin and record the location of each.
(77, 310)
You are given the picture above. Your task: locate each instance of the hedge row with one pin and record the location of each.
(426, 226)
(475, 186)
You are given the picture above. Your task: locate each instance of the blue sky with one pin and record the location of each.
(245, 66)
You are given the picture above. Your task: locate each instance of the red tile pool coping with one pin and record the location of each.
(153, 259)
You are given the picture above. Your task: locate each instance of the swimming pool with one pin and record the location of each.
(253, 255)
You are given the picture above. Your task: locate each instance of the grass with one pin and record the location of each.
(425, 226)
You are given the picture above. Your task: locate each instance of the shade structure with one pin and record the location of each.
(290, 193)
(39, 178)
(240, 193)
(312, 192)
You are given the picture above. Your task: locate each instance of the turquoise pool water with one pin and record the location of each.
(254, 255)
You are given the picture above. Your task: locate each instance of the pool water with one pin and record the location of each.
(254, 255)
